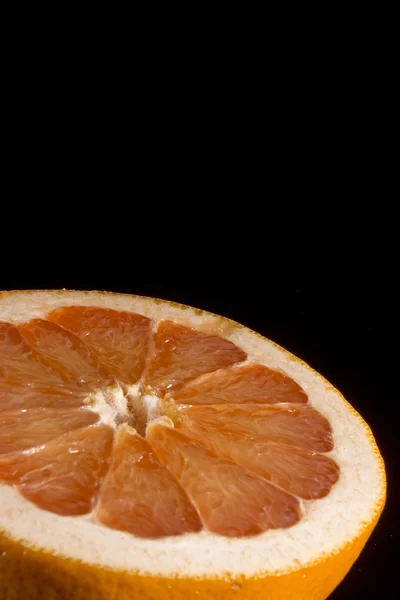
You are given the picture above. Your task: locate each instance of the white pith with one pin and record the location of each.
(110, 404)
(325, 523)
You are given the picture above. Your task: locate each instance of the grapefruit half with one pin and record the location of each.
(156, 451)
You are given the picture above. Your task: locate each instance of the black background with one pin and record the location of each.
(329, 297)
(258, 189)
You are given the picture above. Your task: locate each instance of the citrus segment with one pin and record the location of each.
(241, 384)
(21, 398)
(65, 353)
(119, 339)
(181, 354)
(22, 430)
(139, 494)
(293, 425)
(231, 500)
(63, 476)
(21, 365)
(305, 474)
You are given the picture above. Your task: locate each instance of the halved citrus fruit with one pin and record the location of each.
(152, 450)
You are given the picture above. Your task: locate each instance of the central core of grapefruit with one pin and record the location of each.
(155, 428)
(116, 406)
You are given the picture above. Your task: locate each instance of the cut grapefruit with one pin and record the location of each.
(152, 450)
